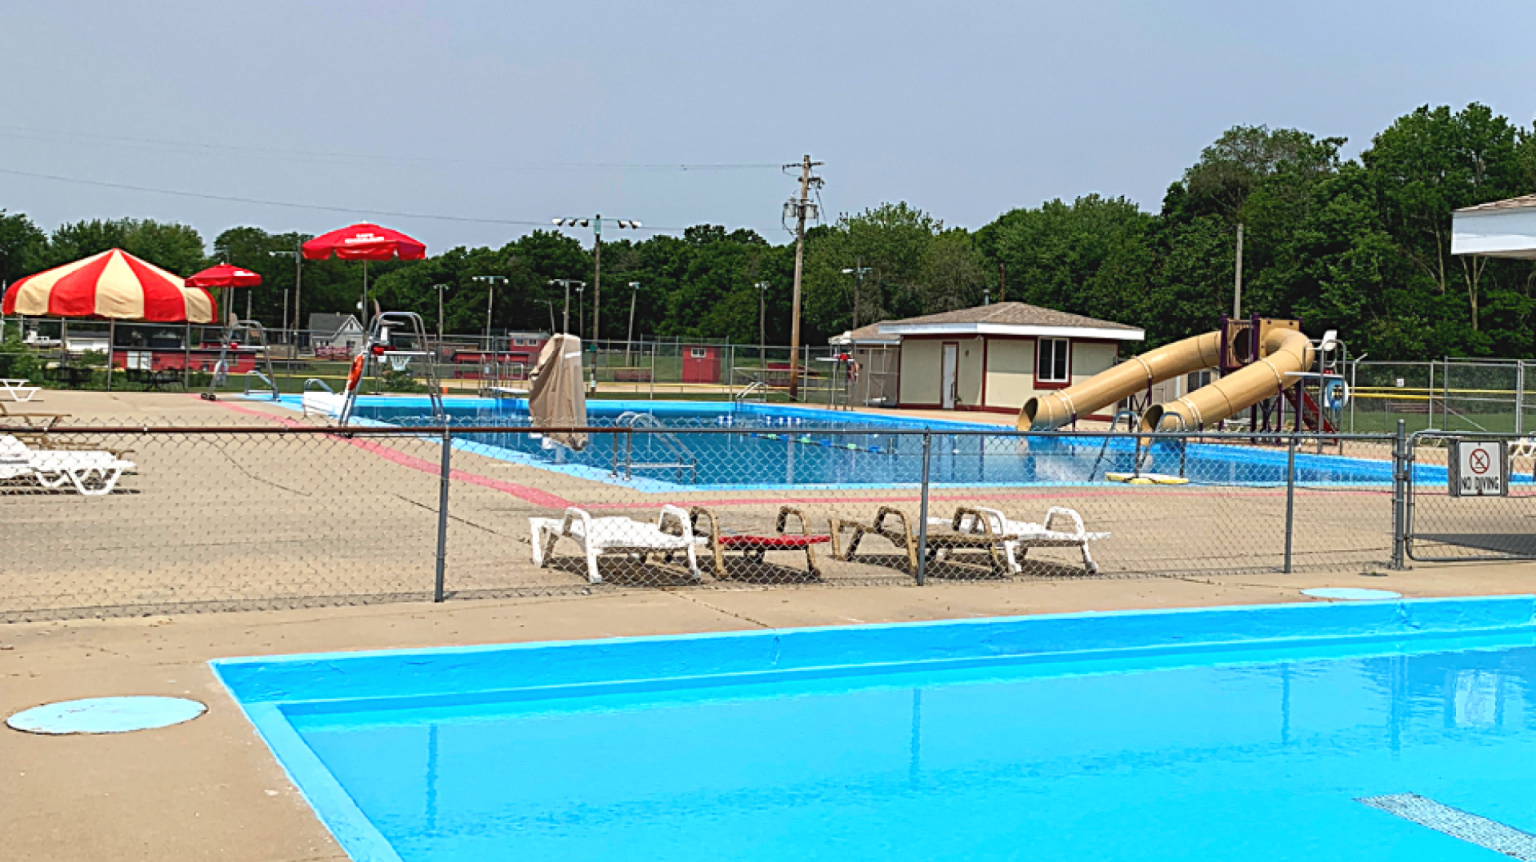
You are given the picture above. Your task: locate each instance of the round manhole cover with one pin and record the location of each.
(1356, 594)
(106, 715)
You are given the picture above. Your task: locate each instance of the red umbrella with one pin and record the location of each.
(224, 275)
(365, 242)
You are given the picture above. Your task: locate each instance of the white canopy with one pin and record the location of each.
(1496, 229)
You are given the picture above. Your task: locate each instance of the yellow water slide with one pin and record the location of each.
(1282, 353)
(1046, 412)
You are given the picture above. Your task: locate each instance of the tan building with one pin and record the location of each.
(994, 357)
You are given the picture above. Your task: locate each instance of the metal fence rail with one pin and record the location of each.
(279, 512)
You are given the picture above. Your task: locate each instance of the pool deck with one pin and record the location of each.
(209, 789)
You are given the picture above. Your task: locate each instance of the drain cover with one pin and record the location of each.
(1357, 594)
(106, 715)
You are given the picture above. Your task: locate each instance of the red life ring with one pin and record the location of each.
(357, 371)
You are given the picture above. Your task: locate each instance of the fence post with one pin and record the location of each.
(442, 514)
(1290, 500)
(922, 515)
(1400, 469)
(1519, 398)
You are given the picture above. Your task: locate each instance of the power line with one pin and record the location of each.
(291, 205)
(24, 133)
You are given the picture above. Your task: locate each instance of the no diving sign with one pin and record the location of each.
(1479, 468)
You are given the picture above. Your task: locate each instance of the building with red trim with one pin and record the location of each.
(995, 357)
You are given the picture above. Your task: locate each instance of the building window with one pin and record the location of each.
(1054, 363)
(697, 353)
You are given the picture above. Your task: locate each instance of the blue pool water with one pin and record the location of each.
(1243, 733)
(777, 446)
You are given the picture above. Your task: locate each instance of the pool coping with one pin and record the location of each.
(264, 686)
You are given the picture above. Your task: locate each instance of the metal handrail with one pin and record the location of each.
(321, 383)
(632, 419)
(276, 395)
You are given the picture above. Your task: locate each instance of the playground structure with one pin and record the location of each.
(1265, 365)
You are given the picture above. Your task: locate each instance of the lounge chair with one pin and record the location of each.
(1032, 535)
(92, 473)
(627, 536)
(977, 534)
(18, 389)
(755, 547)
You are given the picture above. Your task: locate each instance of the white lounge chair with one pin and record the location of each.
(616, 536)
(18, 389)
(1032, 535)
(92, 473)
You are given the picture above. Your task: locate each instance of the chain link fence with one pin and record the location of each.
(1454, 513)
(274, 511)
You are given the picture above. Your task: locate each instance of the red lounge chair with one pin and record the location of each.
(753, 547)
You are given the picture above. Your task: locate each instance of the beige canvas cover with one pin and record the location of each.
(557, 398)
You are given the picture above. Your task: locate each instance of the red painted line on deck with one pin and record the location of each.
(395, 456)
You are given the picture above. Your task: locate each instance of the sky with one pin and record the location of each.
(472, 123)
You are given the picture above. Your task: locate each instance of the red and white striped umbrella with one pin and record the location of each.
(113, 285)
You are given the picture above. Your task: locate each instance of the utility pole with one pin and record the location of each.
(298, 287)
(490, 300)
(440, 288)
(858, 271)
(801, 207)
(1237, 285)
(596, 223)
(566, 283)
(1002, 282)
(762, 328)
(634, 293)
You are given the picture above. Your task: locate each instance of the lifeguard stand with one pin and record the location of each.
(395, 340)
(254, 336)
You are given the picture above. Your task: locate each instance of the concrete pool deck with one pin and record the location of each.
(210, 789)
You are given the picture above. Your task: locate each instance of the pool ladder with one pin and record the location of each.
(625, 463)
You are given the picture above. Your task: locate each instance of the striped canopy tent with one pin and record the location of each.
(113, 285)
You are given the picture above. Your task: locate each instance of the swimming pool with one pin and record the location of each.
(1229, 733)
(774, 446)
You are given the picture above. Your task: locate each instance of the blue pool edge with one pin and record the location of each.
(261, 686)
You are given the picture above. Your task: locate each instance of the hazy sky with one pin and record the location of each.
(518, 112)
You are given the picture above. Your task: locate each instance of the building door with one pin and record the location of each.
(950, 375)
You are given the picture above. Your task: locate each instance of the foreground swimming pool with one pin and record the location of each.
(776, 446)
(1236, 733)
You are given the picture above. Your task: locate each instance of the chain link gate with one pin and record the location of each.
(1469, 497)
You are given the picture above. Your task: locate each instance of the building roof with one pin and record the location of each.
(1508, 204)
(330, 324)
(870, 334)
(1011, 318)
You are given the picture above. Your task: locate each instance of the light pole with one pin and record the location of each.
(581, 309)
(762, 327)
(858, 283)
(566, 283)
(490, 299)
(551, 304)
(298, 285)
(596, 223)
(440, 289)
(634, 292)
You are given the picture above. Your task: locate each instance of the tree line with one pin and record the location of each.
(1361, 245)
